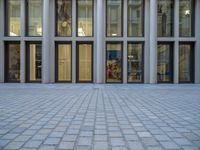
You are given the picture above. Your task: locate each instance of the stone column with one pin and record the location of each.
(197, 45)
(1, 41)
(22, 44)
(99, 60)
(153, 41)
(176, 42)
(45, 43)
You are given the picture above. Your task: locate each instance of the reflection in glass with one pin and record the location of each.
(85, 17)
(165, 63)
(13, 18)
(13, 60)
(64, 17)
(85, 62)
(114, 62)
(114, 18)
(64, 62)
(34, 17)
(165, 18)
(186, 13)
(186, 63)
(135, 17)
(135, 62)
(35, 62)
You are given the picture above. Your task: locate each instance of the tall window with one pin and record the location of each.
(114, 62)
(135, 62)
(13, 23)
(165, 62)
(85, 17)
(84, 62)
(12, 62)
(64, 17)
(186, 18)
(165, 18)
(114, 17)
(135, 17)
(186, 62)
(34, 62)
(63, 62)
(34, 17)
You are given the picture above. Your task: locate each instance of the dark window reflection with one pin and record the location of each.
(186, 63)
(64, 17)
(114, 62)
(186, 18)
(114, 17)
(165, 63)
(135, 17)
(34, 62)
(135, 62)
(13, 62)
(165, 17)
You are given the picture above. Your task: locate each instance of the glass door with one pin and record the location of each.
(12, 62)
(34, 62)
(84, 62)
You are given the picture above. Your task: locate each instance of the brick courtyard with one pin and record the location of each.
(99, 117)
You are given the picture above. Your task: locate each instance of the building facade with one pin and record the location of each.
(100, 41)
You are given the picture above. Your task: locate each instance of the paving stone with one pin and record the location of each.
(117, 142)
(14, 145)
(170, 145)
(52, 141)
(33, 144)
(144, 134)
(66, 145)
(86, 141)
(100, 145)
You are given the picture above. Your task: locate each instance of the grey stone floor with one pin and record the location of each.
(99, 117)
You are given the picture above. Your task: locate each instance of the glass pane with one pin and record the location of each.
(165, 62)
(114, 18)
(35, 62)
(165, 18)
(185, 63)
(13, 66)
(186, 12)
(34, 17)
(135, 62)
(13, 16)
(85, 17)
(64, 62)
(85, 62)
(114, 62)
(135, 17)
(64, 17)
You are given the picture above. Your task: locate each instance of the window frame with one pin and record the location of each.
(122, 60)
(173, 22)
(27, 20)
(192, 21)
(27, 60)
(77, 61)
(122, 20)
(192, 62)
(6, 61)
(6, 18)
(56, 20)
(143, 20)
(77, 11)
(171, 60)
(57, 43)
(143, 63)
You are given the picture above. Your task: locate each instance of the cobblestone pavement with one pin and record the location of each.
(99, 117)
